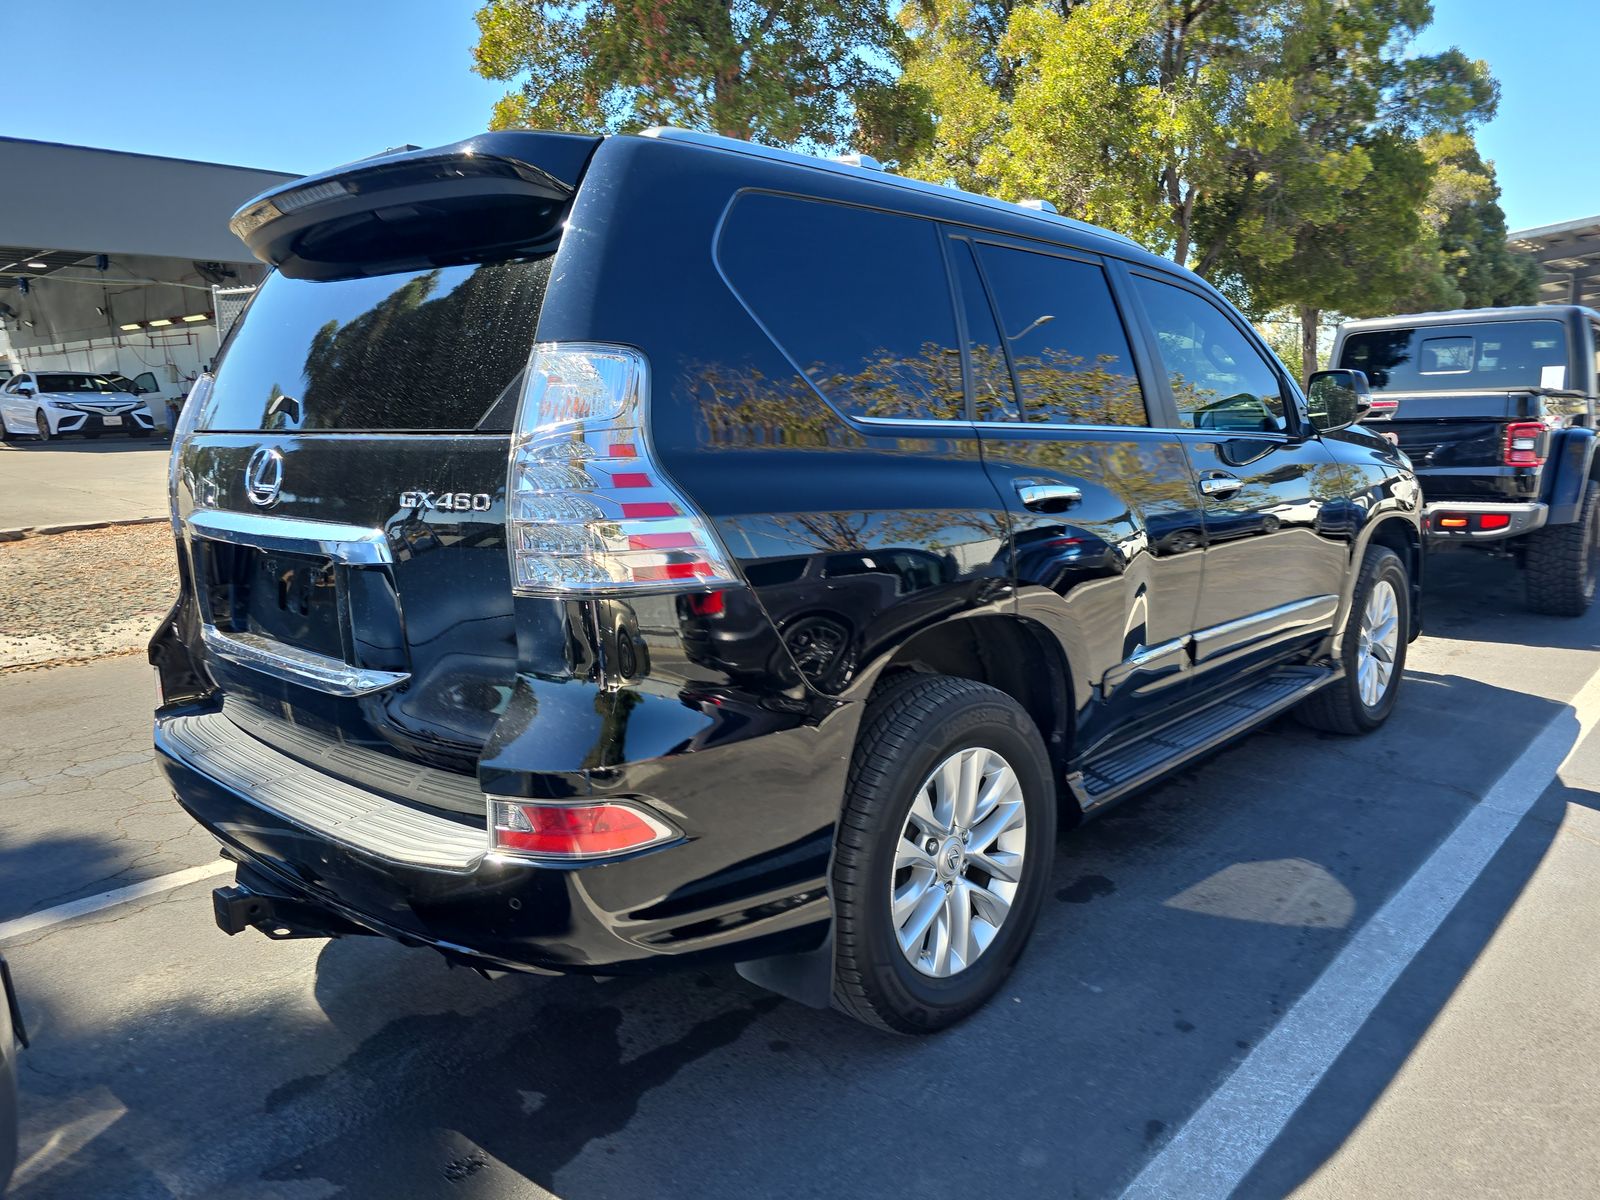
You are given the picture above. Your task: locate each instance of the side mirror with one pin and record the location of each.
(1338, 399)
(27, 389)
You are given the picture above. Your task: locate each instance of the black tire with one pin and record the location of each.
(41, 424)
(911, 727)
(1339, 708)
(1562, 562)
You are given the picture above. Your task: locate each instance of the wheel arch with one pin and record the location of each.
(1401, 534)
(1014, 655)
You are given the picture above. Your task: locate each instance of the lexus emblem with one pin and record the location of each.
(263, 477)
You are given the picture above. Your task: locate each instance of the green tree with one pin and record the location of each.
(1474, 267)
(776, 71)
(1270, 144)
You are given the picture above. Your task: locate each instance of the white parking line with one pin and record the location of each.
(1226, 1136)
(34, 922)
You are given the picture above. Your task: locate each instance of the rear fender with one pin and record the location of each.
(1567, 473)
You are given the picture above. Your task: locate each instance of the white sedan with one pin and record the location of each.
(49, 404)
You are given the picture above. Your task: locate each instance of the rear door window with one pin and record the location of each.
(441, 349)
(1065, 338)
(858, 299)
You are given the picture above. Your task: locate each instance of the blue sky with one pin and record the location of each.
(297, 85)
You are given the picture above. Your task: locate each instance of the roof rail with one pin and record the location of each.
(853, 163)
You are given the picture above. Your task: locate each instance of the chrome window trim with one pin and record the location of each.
(331, 675)
(356, 544)
(1081, 427)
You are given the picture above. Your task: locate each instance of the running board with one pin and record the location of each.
(1128, 767)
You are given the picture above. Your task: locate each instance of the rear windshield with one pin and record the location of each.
(441, 349)
(1449, 358)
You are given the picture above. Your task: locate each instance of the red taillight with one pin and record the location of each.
(589, 510)
(520, 829)
(1494, 521)
(1523, 439)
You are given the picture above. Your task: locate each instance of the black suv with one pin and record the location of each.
(601, 554)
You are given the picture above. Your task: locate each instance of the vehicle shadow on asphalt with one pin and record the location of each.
(30, 868)
(1480, 598)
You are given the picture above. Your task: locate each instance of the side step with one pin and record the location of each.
(1125, 768)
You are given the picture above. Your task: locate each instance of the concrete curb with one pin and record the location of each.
(16, 535)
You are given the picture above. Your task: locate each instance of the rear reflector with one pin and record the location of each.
(1494, 521)
(572, 831)
(1523, 440)
(588, 509)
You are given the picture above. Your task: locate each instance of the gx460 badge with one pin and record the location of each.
(448, 501)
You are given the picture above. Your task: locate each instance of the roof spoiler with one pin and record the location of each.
(494, 196)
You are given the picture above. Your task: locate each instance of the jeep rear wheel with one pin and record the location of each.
(1562, 562)
(944, 853)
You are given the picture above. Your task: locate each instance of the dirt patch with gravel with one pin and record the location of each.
(74, 596)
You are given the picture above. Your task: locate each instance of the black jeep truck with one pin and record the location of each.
(606, 554)
(1496, 409)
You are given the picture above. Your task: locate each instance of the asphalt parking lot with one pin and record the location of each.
(73, 480)
(1192, 930)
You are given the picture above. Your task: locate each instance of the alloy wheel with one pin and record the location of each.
(958, 862)
(1380, 639)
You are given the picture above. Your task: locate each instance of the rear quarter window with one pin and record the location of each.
(441, 349)
(858, 299)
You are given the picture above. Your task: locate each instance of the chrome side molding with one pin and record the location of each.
(356, 544)
(331, 675)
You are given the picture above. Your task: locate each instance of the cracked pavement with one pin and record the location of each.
(170, 1061)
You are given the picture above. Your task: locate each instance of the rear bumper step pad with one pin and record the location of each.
(366, 821)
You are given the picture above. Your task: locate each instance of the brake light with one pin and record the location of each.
(1522, 444)
(520, 829)
(1494, 521)
(588, 511)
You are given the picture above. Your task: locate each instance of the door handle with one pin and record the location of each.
(1220, 486)
(1047, 497)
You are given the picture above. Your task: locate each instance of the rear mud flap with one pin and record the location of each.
(806, 977)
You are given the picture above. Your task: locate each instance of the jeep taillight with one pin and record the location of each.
(587, 508)
(1522, 444)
